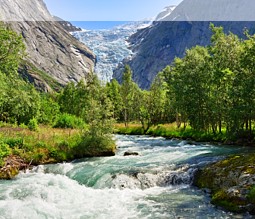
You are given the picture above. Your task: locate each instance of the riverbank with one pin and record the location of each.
(231, 182)
(22, 148)
(171, 131)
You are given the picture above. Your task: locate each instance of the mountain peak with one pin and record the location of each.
(24, 10)
(213, 10)
(165, 13)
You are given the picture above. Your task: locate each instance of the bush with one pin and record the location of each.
(14, 142)
(251, 195)
(5, 150)
(33, 125)
(58, 156)
(68, 121)
(92, 146)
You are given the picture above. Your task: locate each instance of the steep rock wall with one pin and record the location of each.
(50, 48)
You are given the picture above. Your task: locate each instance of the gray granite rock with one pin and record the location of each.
(50, 48)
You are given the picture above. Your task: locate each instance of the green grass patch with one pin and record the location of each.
(51, 145)
(171, 131)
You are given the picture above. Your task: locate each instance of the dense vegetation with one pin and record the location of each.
(209, 92)
(219, 83)
(26, 115)
(211, 89)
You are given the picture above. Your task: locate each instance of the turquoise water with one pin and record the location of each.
(155, 184)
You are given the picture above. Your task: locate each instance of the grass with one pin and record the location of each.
(44, 146)
(50, 145)
(171, 131)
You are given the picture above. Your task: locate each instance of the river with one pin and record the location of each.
(154, 184)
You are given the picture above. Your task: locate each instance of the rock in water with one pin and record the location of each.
(12, 166)
(232, 183)
(131, 153)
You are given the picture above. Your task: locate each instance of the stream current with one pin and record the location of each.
(154, 184)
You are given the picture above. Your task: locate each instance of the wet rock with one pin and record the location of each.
(131, 153)
(12, 166)
(231, 182)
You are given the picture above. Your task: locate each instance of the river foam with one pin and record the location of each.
(155, 184)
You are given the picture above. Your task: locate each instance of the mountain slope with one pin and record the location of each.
(158, 45)
(50, 48)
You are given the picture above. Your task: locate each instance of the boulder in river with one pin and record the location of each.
(131, 153)
(232, 183)
(12, 166)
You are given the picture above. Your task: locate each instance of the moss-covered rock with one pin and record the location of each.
(8, 172)
(231, 182)
(13, 164)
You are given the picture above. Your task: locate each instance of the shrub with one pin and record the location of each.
(33, 125)
(13, 142)
(5, 150)
(68, 121)
(57, 155)
(23, 126)
(251, 195)
(92, 146)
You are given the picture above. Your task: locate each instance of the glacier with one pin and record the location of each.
(110, 46)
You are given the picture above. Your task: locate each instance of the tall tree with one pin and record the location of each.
(127, 93)
(226, 51)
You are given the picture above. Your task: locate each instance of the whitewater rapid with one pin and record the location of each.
(154, 184)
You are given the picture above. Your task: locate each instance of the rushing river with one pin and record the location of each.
(155, 184)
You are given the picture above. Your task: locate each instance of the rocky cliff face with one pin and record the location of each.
(67, 25)
(157, 46)
(51, 51)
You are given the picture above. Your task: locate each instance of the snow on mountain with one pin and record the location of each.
(213, 10)
(165, 13)
(110, 46)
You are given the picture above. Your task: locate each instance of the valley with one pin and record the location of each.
(154, 117)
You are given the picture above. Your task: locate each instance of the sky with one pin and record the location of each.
(107, 10)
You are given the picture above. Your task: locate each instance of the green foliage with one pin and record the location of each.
(130, 94)
(113, 93)
(12, 50)
(58, 155)
(13, 142)
(19, 101)
(68, 121)
(131, 131)
(33, 125)
(251, 195)
(5, 150)
(213, 87)
(91, 146)
(49, 109)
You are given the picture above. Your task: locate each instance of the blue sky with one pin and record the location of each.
(107, 10)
